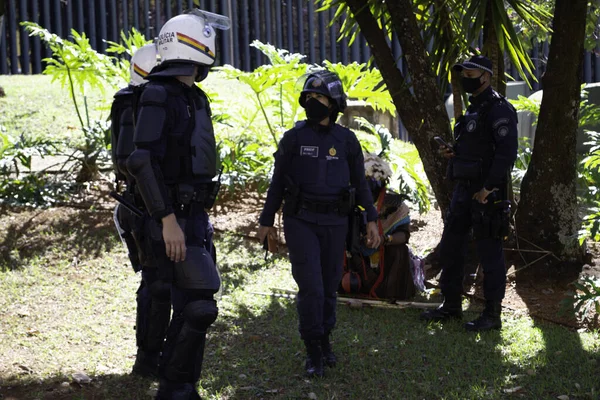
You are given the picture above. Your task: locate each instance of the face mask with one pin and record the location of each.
(471, 85)
(315, 110)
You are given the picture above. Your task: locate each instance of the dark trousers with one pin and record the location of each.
(316, 253)
(453, 249)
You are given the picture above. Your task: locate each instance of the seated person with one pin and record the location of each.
(391, 271)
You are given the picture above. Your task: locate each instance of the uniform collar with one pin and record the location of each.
(483, 96)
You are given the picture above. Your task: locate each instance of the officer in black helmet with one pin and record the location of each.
(174, 164)
(480, 163)
(154, 295)
(319, 175)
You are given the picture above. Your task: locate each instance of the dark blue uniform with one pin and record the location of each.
(319, 163)
(486, 148)
(154, 295)
(174, 163)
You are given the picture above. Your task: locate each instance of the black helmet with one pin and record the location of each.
(326, 83)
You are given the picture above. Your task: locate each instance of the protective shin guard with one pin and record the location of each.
(185, 359)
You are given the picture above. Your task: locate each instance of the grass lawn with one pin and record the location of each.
(67, 305)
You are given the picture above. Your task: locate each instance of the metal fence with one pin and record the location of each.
(294, 25)
(291, 24)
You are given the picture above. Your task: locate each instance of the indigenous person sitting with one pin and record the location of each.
(390, 271)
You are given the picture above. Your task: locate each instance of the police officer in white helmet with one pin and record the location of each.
(174, 163)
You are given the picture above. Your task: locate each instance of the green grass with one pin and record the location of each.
(67, 304)
(38, 108)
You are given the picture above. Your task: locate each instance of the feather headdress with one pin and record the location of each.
(377, 169)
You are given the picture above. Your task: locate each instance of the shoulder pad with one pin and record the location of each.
(126, 91)
(154, 94)
(300, 125)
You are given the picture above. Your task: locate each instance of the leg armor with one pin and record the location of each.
(186, 338)
(197, 271)
(153, 312)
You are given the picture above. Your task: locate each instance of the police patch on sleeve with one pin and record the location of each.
(471, 125)
(500, 121)
(309, 151)
(503, 131)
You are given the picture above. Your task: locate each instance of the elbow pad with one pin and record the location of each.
(149, 182)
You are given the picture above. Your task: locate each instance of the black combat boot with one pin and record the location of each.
(488, 320)
(450, 309)
(168, 390)
(328, 356)
(314, 359)
(146, 364)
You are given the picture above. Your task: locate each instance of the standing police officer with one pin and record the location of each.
(319, 172)
(480, 163)
(154, 295)
(174, 164)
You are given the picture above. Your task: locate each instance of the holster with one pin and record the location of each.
(491, 220)
(292, 197)
(347, 201)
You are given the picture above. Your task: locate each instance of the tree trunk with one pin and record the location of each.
(547, 214)
(421, 110)
(491, 49)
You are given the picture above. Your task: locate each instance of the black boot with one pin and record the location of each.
(314, 359)
(168, 390)
(146, 364)
(328, 356)
(488, 320)
(450, 309)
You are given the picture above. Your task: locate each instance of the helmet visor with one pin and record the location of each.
(216, 21)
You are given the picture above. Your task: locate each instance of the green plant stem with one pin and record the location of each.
(72, 89)
(267, 119)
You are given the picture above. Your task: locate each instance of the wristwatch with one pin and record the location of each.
(388, 239)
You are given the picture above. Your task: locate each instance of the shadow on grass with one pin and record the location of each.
(102, 387)
(26, 234)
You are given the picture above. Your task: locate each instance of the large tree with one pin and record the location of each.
(547, 213)
(433, 35)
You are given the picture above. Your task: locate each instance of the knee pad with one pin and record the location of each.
(198, 271)
(201, 314)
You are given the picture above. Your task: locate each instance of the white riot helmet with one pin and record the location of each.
(191, 37)
(142, 62)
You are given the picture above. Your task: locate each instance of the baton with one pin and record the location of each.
(126, 203)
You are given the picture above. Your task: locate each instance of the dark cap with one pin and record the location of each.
(476, 62)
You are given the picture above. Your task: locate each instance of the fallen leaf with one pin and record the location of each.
(578, 386)
(548, 291)
(242, 376)
(530, 372)
(563, 397)
(272, 391)
(312, 396)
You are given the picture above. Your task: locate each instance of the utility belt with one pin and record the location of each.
(342, 206)
(188, 200)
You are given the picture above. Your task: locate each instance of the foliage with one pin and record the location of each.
(77, 66)
(451, 26)
(585, 301)
(521, 163)
(272, 108)
(407, 172)
(20, 185)
(363, 83)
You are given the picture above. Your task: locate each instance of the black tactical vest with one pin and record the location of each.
(191, 155)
